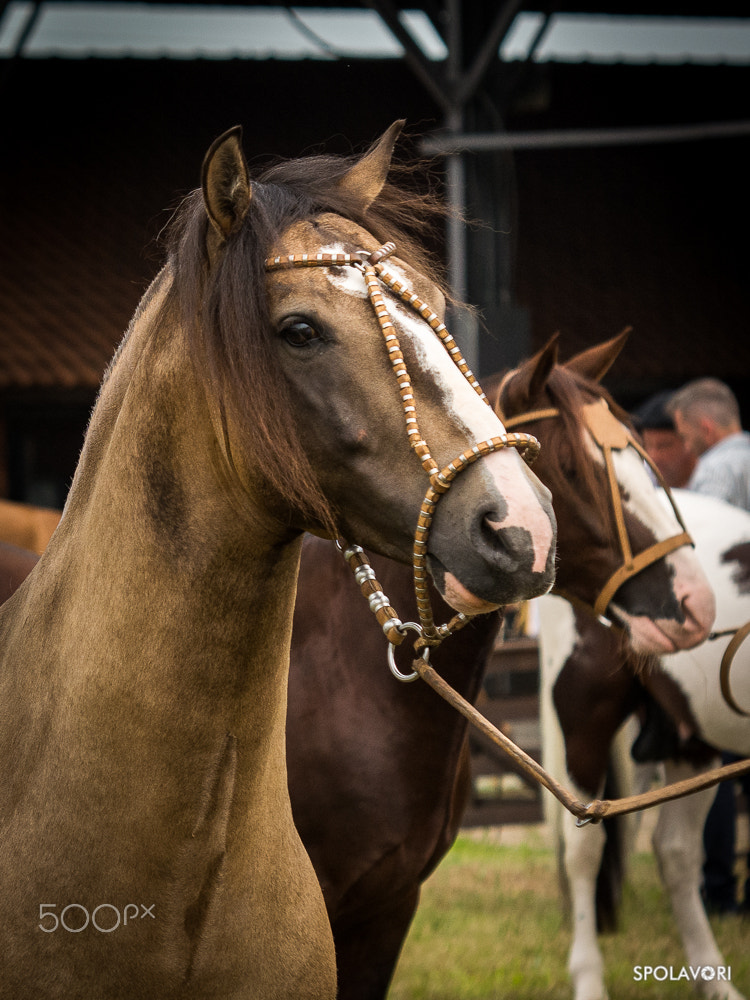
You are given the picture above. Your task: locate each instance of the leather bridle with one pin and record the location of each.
(610, 435)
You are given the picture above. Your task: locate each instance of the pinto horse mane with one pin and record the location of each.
(224, 307)
(567, 464)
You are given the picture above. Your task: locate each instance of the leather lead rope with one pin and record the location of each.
(593, 812)
(726, 662)
(597, 810)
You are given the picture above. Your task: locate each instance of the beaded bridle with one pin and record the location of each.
(376, 274)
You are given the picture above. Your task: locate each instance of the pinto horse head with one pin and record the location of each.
(492, 537)
(622, 550)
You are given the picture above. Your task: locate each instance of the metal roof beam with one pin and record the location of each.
(484, 142)
(426, 72)
(470, 80)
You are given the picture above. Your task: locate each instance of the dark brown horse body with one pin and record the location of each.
(378, 770)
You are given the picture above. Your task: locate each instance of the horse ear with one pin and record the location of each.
(595, 362)
(533, 374)
(364, 181)
(226, 182)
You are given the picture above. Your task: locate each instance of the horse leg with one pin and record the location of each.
(678, 845)
(367, 951)
(583, 849)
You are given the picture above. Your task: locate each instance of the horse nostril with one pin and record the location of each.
(490, 526)
(692, 623)
(503, 546)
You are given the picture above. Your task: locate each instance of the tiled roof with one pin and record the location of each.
(72, 269)
(91, 174)
(102, 152)
(58, 329)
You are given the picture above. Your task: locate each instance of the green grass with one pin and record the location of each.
(490, 925)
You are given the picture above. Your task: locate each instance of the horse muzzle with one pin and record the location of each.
(510, 555)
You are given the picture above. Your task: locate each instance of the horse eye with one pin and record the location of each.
(300, 334)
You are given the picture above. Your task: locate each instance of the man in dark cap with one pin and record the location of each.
(662, 442)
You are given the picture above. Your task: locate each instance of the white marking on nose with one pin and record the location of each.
(648, 503)
(516, 484)
(504, 470)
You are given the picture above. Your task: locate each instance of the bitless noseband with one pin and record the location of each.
(610, 436)
(376, 275)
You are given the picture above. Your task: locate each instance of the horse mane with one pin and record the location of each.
(566, 462)
(225, 310)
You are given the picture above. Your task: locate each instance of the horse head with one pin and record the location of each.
(360, 390)
(623, 552)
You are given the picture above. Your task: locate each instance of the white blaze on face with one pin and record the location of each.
(468, 410)
(648, 503)
(644, 500)
(640, 494)
(505, 470)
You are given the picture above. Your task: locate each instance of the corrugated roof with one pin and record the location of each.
(153, 31)
(211, 31)
(628, 38)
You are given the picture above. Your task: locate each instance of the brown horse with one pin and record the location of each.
(147, 847)
(379, 771)
(623, 554)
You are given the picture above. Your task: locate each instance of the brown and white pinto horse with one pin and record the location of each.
(590, 686)
(379, 771)
(147, 847)
(637, 557)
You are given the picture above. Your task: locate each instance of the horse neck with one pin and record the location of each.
(158, 551)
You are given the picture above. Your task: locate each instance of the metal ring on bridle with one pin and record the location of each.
(425, 654)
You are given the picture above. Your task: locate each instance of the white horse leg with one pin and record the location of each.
(678, 845)
(582, 856)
